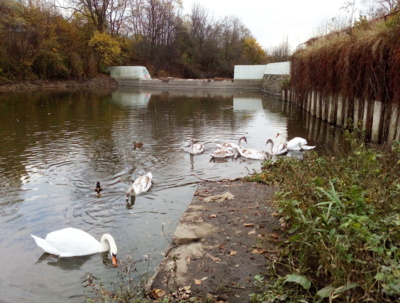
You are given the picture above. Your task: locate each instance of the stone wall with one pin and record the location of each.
(273, 84)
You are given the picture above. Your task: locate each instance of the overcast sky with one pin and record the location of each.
(272, 21)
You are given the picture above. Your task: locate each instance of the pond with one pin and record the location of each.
(57, 145)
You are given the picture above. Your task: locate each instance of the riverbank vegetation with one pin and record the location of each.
(361, 62)
(340, 216)
(39, 40)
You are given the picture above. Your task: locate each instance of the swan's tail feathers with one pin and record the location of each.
(43, 244)
(307, 147)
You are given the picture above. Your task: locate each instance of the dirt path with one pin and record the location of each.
(219, 246)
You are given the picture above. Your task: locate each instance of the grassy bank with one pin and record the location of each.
(340, 215)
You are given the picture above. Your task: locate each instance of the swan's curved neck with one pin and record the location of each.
(107, 243)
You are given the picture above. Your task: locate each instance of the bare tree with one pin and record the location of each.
(281, 52)
(155, 26)
(376, 8)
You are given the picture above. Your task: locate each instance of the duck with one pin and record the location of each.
(141, 185)
(196, 148)
(98, 188)
(297, 143)
(137, 144)
(73, 242)
(279, 149)
(231, 145)
(225, 153)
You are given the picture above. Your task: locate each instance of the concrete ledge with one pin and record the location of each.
(171, 83)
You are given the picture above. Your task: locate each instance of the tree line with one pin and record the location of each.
(75, 39)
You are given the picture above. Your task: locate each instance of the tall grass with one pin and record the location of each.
(361, 62)
(341, 217)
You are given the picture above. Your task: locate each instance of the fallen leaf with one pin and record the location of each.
(215, 259)
(232, 253)
(219, 198)
(274, 236)
(158, 293)
(199, 281)
(212, 216)
(252, 232)
(258, 251)
(248, 224)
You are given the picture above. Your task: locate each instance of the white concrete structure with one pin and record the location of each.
(129, 72)
(279, 68)
(257, 72)
(249, 72)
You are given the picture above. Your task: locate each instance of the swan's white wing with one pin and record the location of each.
(297, 143)
(222, 153)
(47, 247)
(227, 145)
(142, 184)
(280, 149)
(307, 147)
(251, 154)
(73, 242)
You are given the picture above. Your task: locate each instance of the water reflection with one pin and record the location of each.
(65, 264)
(243, 103)
(57, 145)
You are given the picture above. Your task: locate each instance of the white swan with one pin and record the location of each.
(225, 153)
(296, 143)
(196, 148)
(72, 242)
(142, 184)
(231, 145)
(278, 149)
(251, 153)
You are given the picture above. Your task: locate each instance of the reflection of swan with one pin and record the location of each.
(141, 185)
(196, 148)
(72, 242)
(225, 153)
(67, 264)
(231, 145)
(297, 143)
(278, 149)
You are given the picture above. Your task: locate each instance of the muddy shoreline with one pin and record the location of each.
(100, 81)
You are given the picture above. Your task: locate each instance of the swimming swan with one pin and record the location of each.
(225, 153)
(196, 148)
(296, 143)
(141, 185)
(72, 242)
(251, 153)
(278, 149)
(231, 145)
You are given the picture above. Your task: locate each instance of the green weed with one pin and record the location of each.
(342, 219)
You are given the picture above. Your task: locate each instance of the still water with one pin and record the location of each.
(57, 145)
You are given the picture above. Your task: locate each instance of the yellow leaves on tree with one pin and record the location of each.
(253, 52)
(106, 46)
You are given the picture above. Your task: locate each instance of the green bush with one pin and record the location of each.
(342, 219)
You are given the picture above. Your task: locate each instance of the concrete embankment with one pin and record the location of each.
(172, 83)
(225, 238)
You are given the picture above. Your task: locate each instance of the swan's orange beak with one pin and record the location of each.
(114, 260)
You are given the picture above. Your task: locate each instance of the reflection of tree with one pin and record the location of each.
(42, 129)
(9, 196)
